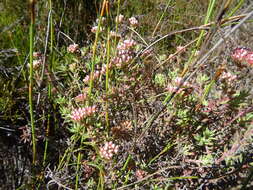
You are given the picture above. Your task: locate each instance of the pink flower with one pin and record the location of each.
(72, 48)
(249, 58)
(180, 48)
(172, 89)
(178, 81)
(96, 74)
(126, 44)
(81, 97)
(147, 53)
(108, 150)
(125, 52)
(133, 21)
(94, 29)
(37, 54)
(80, 113)
(140, 174)
(228, 76)
(103, 70)
(86, 79)
(239, 54)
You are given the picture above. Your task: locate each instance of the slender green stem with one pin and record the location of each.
(107, 77)
(31, 34)
(210, 11)
(108, 52)
(167, 148)
(94, 52)
(239, 5)
(79, 156)
(165, 10)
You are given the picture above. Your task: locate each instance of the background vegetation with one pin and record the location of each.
(147, 94)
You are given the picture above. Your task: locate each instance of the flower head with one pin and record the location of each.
(80, 113)
(72, 48)
(81, 97)
(179, 80)
(37, 54)
(173, 89)
(249, 58)
(140, 174)
(133, 21)
(36, 63)
(239, 54)
(181, 49)
(228, 76)
(125, 52)
(94, 29)
(108, 150)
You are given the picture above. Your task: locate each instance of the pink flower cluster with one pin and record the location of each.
(133, 21)
(181, 49)
(125, 52)
(97, 73)
(147, 53)
(126, 45)
(242, 55)
(140, 174)
(73, 48)
(80, 113)
(124, 55)
(108, 150)
(177, 81)
(172, 89)
(37, 55)
(228, 76)
(81, 97)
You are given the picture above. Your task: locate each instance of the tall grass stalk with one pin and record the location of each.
(94, 50)
(107, 76)
(210, 10)
(79, 157)
(31, 35)
(49, 83)
(165, 10)
(108, 52)
(238, 6)
(117, 23)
